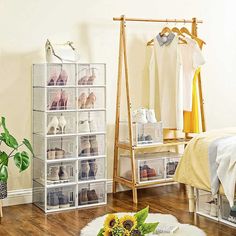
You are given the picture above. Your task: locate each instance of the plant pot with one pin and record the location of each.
(3, 189)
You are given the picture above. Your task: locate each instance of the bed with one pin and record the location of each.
(194, 168)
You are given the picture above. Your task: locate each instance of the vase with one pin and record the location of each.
(3, 189)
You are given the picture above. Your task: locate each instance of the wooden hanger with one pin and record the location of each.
(177, 30)
(165, 30)
(184, 30)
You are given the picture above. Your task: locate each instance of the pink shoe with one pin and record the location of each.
(55, 102)
(82, 100)
(63, 101)
(62, 79)
(53, 78)
(90, 101)
(84, 79)
(92, 77)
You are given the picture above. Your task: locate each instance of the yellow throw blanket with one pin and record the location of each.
(193, 168)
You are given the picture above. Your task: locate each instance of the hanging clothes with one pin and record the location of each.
(165, 81)
(192, 59)
(173, 88)
(192, 118)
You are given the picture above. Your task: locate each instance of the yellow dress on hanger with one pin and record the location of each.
(191, 118)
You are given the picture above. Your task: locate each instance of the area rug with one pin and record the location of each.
(184, 229)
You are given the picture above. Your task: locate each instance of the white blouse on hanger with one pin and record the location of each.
(165, 83)
(171, 71)
(191, 59)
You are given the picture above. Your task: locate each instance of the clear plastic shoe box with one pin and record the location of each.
(207, 205)
(143, 134)
(69, 130)
(227, 213)
(91, 193)
(149, 166)
(91, 169)
(61, 198)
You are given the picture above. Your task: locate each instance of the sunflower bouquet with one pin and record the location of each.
(128, 225)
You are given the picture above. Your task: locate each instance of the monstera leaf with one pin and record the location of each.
(3, 166)
(28, 145)
(22, 160)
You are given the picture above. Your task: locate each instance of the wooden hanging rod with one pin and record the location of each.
(157, 20)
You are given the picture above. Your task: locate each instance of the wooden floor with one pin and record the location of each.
(29, 220)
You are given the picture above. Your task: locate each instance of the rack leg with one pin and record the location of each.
(116, 165)
(1, 214)
(191, 201)
(135, 195)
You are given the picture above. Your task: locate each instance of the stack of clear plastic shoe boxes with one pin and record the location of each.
(69, 135)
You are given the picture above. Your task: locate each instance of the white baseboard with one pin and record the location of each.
(17, 197)
(24, 196)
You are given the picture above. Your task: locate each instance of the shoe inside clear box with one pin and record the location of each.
(61, 172)
(62, 197)
(91, 145)
(143, 134)
(61, 123)
(91, 75)
(91, 169)
(61, 99)
(54, 74)
(227, 213)
(91, 193)
(53, 148)
(91, 122)
(91, 98)
(149, 166)
(171, 166)
(206, 203)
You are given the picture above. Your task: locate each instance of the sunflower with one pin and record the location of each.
(128, 222)
(135, 232)
(107, 233)
(110, 222)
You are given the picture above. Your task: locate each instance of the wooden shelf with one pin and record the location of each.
(129, 183)
(167, 142)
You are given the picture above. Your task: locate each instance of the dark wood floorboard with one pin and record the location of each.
(27, 220)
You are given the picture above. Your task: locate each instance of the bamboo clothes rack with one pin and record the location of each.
(123, 62)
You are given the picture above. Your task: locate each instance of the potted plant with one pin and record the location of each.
(21, 157)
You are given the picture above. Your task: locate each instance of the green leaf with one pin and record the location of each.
(22, 160)
(3, 173)
(147, 228)
(12, 142)
(3, 122)
(28, 145)
(3, 166)
(9, 140)
(100, 233)
(6, 137)
(141, 216)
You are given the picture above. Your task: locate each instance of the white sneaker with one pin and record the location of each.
(83, 126)
(151, 117)
(139, 116)
(92, 126)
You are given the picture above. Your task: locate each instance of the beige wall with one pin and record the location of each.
(26, 24)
